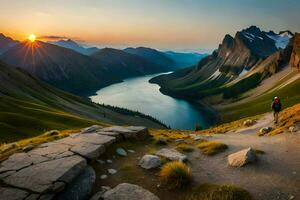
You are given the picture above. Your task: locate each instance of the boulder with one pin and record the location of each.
(126, 191)
(41, 177)
(171, 154)
(12, 193)
(118, 136)
(91, 129)
(112, 171)
(150, 162)
(103, 176)
(121, 152)
(265, 130)
(28, 148)
(248, 122)
(293, 129)
(242, 157)
(81, 187)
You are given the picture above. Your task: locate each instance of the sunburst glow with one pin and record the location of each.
(32, 38)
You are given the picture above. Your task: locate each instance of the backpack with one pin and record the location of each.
(277, 105)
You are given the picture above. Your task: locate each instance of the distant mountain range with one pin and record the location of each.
(69, 66)
(70, 44)
(238, 66)
(6, 43)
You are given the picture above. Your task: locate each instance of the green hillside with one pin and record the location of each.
(29, 107)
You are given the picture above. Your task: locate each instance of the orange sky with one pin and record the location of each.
(168, 24)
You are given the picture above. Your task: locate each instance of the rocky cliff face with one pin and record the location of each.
(295, 57)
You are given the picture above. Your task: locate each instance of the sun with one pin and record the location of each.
(32, 38)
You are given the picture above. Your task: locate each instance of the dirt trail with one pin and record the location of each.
(276, 174)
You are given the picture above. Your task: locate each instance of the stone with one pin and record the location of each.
(52, 150)
(171, 154)
(89, 151)
(58, 186)
(81, 187)
(293, 129)
(242, 157)
(141, 131)
(99, 194)
(6, 174)
(12, 193)
(179, 140)
(100, 161)
(265, 130)
(92, 138)
(15, 162)
(112, 171)
(28, 148)
(131, 151)
(40, 177)
(91, 129)
(109, 161)
(125, 132)
(126, 191)
(33, 197)
(118, 136)
(248, 122)
(103, 176)
(150, 162)
(121, 152)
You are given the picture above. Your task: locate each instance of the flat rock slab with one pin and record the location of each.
(242, 157)
(92, 138)
(171, 154)
(118, 136)
(52, 150)
(12, 194)
(126, 191)
(128, 132)
(89, 151)
(20, 160)
(41, 177)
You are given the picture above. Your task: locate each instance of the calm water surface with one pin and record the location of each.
(140, 95)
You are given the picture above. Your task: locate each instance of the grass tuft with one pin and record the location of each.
(182, 147)
(212, 147)
(175, 174)
(216, 192)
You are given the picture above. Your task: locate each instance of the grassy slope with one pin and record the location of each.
(29, 107)
(289, 96)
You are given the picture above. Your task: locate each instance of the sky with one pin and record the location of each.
(184, 25)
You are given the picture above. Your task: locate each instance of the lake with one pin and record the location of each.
(139, 95)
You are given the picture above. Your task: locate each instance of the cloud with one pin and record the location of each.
(52, 37)
(58, 37)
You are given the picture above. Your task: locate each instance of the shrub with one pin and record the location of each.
(216, 192)
(198, 127)
(211, 147)
(161, 140)
(175, 174)
(184, 147)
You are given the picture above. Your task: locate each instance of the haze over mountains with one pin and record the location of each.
(62, 63)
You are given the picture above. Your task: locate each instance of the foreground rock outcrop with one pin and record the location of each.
(59, 169)
(126, 191)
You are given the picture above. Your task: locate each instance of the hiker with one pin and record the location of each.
(276, 107)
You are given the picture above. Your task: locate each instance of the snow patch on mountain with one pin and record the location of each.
(281, 40)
